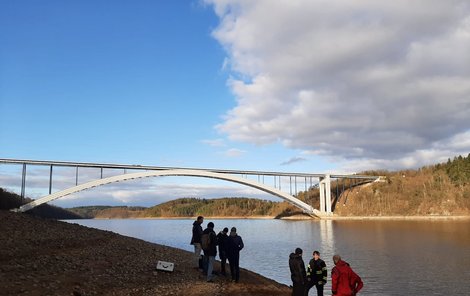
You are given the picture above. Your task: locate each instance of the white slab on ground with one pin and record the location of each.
(165, 266)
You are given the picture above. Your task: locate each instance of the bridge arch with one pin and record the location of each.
(172, 172)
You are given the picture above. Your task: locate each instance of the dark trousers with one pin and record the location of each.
(234, 261)
(298, 289)
(205, 264)
(223, 261)
(319, 289)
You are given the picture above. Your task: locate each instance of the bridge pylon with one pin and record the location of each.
(325, 195)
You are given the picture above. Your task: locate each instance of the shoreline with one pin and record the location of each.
(50, 257)
(192, 218)
(303, 217)
(397, 218)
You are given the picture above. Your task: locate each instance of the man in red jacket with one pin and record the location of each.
(344, 281)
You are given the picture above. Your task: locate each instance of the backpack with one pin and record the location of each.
(205, 241)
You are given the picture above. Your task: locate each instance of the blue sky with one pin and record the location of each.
(307, 87)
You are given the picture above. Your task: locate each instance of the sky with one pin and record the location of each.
(293, 86)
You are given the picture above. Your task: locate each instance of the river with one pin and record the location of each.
(426, 257)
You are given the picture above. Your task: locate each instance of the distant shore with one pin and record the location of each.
(430, 217)
(305, 217)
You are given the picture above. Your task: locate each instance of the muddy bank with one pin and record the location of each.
(47, 257)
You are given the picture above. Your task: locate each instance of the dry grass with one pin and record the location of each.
(422, 192)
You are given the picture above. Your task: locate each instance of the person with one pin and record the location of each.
(298, 274)
(317, 274)
(233, 247)
(222, 241)
(344, 281)
(196, 240)
(210, 250)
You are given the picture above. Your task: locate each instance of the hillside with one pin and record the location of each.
(9, 200)
(191, 207)
(221, 207)
(442, 189)
(108, 212)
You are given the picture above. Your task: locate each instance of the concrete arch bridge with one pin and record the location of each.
(240, 177)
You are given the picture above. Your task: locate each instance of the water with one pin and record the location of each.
(392, 257)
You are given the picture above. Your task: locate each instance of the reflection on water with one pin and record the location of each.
(392, 257)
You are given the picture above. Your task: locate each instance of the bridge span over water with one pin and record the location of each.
(271, 182)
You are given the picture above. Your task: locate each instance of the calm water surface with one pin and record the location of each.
(392, 257)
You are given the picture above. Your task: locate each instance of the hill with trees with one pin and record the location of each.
(108, 212)
(436, 190)
(221, 207)
(9, 200)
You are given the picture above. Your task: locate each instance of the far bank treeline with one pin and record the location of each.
(442, 189)
(190, 207)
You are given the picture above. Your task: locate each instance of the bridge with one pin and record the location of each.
(255, 179)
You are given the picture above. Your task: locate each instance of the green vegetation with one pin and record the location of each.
(458, 170)
(9, 200)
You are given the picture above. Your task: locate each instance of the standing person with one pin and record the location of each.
(345, 281)
(209, 246)
(222, 241)
(196, 240)
(233, 247)
(317, 274)
(297, 271)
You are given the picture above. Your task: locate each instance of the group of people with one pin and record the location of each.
(344, 281)
(207, 241)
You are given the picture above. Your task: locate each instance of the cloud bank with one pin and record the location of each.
(373, 84)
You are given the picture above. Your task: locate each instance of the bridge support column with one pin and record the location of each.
(321, 187)
(325, 195)
(328, 194)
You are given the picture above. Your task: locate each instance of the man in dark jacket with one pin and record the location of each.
(233, 247)
(317, 274)
(344, 281)
(210, 250)
(222, 241)
(297, 270)
(196, 240)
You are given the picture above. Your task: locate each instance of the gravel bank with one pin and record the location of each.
(47, 257)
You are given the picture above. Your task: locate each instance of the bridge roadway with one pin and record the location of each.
(222, 174)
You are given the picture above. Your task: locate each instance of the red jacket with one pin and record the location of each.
(345, 282)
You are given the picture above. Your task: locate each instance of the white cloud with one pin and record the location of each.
(369, 82)
(234, 152)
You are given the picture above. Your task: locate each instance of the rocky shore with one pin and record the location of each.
(48, 257)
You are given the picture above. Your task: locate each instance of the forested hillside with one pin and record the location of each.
(442, 189)
(108, 212)
(222, 207)
(191, 207)
(9, 200)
